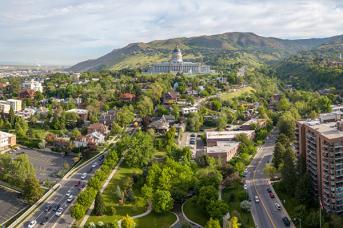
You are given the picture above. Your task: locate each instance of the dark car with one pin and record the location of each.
(56, 207)
(286, 221)
(269, 190)
(47, 208)
(271, 195)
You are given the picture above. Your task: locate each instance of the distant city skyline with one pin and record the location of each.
(65, 32)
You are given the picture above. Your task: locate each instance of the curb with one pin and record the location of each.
(177, 220)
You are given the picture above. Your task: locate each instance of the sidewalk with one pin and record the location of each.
(90, 209)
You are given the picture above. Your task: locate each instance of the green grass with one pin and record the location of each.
(233, 196)
(156, 221)
(195, 213)
(237, 93)
(136, 207)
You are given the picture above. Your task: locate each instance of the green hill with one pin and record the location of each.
(207, 49)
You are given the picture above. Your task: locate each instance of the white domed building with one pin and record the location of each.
(177, 65)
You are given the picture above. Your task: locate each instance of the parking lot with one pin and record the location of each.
(46, 164)
(193, 141)
(10, 203)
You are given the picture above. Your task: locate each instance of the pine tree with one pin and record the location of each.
(99, 207)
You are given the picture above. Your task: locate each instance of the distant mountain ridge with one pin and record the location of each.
(200, 48)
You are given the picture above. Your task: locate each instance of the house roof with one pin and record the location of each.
(127, 96)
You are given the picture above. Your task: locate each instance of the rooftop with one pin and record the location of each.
(226, 134)
(328, 130)
(222, 147)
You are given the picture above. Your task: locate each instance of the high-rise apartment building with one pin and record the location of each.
(321, 143)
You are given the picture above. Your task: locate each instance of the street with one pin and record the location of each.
(60, 198)
(264, 212)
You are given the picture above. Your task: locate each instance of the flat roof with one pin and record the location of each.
(222, 147)
(329, 130)
(226, 134)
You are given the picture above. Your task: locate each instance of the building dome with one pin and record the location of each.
(177, 55)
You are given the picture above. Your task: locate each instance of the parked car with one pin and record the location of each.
(77, 183)
(94, 165)
(56, 207)
(83, 176)
(286, 221)
(278, 206)
(257, 200)
(69, 192)
(271, 195)
(44, 220)
(269, 190)
(59, 211)
(32, 224)
(70, 198)
(47, 208)
(245, 186)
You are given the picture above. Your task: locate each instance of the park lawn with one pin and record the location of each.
(229, 95)
(132, 208)
(195, 213)
(233, 196)
(288, 202)
(154, 220)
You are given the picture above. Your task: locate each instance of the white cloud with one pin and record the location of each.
(68, 31)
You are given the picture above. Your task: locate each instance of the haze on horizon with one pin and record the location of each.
(69, 31)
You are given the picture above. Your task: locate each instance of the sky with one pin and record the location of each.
(65, 32)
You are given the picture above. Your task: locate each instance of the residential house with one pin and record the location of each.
(27, 93)
(108, 117)
(82, 113)
(188, 110)
(127, 97)
(7, 140)
(170, 98)
(98, 127)
(159, 124)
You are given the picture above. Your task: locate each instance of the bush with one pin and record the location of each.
(78, 211)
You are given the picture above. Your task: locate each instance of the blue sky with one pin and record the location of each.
(69, 31)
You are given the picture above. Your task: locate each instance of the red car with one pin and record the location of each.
(271, 195)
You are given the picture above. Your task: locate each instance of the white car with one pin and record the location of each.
(257, 200)
(83, 176)
(278, 206)
(70, 198)
(94, 164)
(32, 224)
(59, 211)
(245, 186)
(69, 192)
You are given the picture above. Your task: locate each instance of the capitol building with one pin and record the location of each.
(177, 65)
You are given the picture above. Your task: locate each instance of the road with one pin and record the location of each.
(59, 198)
(265, 213)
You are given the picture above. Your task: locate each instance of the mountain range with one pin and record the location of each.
(204, 49)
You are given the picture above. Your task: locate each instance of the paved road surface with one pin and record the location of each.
(265, 213)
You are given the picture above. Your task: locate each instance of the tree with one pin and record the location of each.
(32, 190)
(194, 122)
(78, 211)
(162, 201)
(21, 127)
(279, 152)
(288, 171)
(206, 195)
(213, 223)
(270, 171)
(234, 222)
(99, 207)
(286, 125)
(128, 222)
(245, 205)
(124, 117)
(176, 111)
(304, 190)
(137, 149)
(217, 209)
(145, 107)
(221, 122)
(75, 133)
(239, 166)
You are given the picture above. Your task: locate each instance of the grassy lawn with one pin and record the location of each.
(234, 195)
(156, 221)
(136, 207)
(194, 213)
(237, 93)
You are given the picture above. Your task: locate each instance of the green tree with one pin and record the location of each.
(206, 195)
(217, 209)
(194, 122)
(145, 107)
(128, 222)
(288, 171)
(99, 207)
(270, 171)
(21, 127)
(213, 223)
(162, 201)
(78, 211)
(279, 152)
(221, 122)
(286, 125)
(234, 222)
(124, 117)
(32, 190)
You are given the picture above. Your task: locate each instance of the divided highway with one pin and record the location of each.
(265, 212)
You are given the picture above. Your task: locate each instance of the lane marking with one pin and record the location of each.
(253, 179)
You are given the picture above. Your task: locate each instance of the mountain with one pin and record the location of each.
(205, 49)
